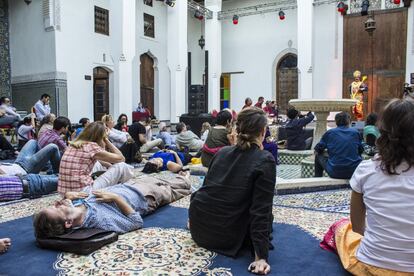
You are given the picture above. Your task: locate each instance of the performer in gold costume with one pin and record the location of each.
(357, 89)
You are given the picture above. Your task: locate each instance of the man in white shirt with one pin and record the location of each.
(42, 107)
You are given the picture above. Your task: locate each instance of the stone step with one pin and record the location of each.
(304, 185)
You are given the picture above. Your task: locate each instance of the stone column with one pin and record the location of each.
(123, 88)
(213, 46)
(321, 126)
(177, 58)
(305, 48)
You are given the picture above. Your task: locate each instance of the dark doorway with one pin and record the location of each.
(100, 93)
(147, 82)
(381, 58)
(287, 81)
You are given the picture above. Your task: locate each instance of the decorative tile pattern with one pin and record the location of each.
(4, 49)
(291, 158)
(356, 5)
(288, 171)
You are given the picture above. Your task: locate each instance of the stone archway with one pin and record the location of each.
(286, 80)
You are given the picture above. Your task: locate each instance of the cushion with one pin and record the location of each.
(81, 242)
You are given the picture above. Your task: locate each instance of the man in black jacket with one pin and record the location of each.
(296, 139)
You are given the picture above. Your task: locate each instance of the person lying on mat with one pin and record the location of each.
(233, 208)
(32, 159)
(166, 160)
(5, 244)
(26, 186)
(116, 208)
(379, 239)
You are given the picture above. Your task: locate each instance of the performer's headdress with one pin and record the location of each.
(357, 74)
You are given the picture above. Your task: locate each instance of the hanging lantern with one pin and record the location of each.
(235, 19)
(341, 7)
(397, 2)
(282, 15)
(202, 42)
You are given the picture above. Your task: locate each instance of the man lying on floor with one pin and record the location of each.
(26, 186)
(117, 208)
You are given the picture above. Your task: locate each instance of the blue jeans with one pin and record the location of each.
(41, 184)
(33, 160)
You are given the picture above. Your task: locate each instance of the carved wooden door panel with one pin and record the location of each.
(381, 58)
(287, 81)
(147, 82)
(101, 93)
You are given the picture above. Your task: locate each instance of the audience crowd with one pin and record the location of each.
(91, 165)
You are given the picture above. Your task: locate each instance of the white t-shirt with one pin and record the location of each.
(388, 240)
(12, 169)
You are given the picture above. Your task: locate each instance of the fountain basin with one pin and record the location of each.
(322, 108)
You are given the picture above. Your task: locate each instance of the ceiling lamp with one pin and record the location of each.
(235, 19)
(198, 15)
(28, 1)
(170, 3)
(365, 7)
(282, 15)
(341, 7)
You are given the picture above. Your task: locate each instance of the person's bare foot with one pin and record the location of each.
(4, 245)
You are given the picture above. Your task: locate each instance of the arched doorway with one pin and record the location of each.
(287, 80)
(147, 82)
(100, 93)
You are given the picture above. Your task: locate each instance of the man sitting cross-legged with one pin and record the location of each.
(116, 208)
(344, 149)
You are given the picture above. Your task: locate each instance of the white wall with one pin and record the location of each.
(32, 49)
(410, 46)
(80, 50)
(197, 54)
(158, 48)
(327, 52)
(252, 47)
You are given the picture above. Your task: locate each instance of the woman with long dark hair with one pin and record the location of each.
(233, 208)
(379, 239)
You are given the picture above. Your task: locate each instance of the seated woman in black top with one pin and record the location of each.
(233, 208)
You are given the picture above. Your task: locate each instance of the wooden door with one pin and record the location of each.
(100, 93)
(381, 58)
(287, 81)
(147, 82)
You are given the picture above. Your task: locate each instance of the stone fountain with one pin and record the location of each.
(322, 108)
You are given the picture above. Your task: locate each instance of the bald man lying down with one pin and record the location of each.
(117, 208)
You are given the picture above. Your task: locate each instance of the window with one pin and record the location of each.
(148, 2)
(101, 21)
(149, 28)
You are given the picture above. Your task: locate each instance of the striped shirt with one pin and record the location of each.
(76, 167)
(11, 188)
(108, 216)
(51, 136)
